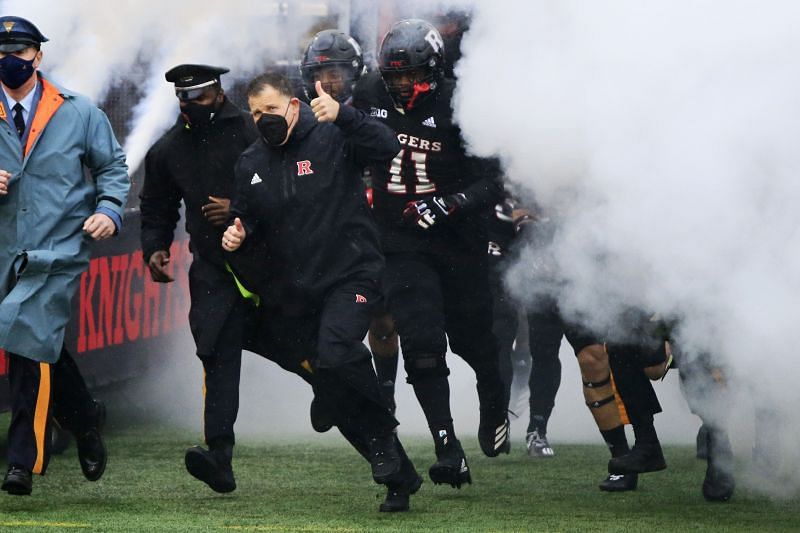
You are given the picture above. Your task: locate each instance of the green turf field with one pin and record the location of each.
(319, 484)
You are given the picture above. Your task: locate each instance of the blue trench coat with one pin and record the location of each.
(43, 249)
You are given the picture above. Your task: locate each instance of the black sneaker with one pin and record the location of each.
(18, 481)
(619, 482)
(451, 466)
(398, 494)
(385, 459)
(642, 458)
(92, 453)
(211, 467)
(321, 420)
(719, 483)
(493, 429)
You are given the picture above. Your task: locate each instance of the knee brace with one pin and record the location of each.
(425, 366)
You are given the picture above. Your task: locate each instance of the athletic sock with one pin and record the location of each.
(433, 394)
(386, 367)
(443, 434)
(616, 440)
(644, 429)
(538, 424)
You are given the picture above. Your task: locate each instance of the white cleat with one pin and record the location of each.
(538, 445)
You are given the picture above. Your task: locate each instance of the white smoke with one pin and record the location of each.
(664, 137)
(94, 45)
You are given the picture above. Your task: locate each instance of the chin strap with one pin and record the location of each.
(419, 88)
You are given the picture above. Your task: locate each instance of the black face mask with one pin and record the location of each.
(273, 128)
(14, 71)
(196, 114)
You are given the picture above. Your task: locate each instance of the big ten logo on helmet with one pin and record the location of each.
(379, 113)
(416, 142)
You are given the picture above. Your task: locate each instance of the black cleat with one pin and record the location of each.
(642, 458)
(719, 483)
(385, 459)
(17, 481)
(451, 466)
(493, 429)
(211, 467)
(92, 454)
(398, 494)
(619, 482)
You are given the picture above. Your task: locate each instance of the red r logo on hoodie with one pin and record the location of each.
(304, 168)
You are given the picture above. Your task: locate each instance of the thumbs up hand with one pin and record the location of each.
(324, 106)
(234, 236)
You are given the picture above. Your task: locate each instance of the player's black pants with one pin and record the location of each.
(433, 298)
(544, 332)
(328, 344)
(40, 391)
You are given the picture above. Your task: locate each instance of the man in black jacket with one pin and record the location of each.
(301, 205)
(194, 162)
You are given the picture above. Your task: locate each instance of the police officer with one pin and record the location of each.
(193, 162)
(300, 195)
(49, 212)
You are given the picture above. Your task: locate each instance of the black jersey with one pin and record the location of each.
(432, 162)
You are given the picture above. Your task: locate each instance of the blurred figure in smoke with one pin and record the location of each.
(705, 390)
(615, 376)
(334, 59)
(543, 324)
(430, 203)
(193, 162)
(300, 196)
(452, 26)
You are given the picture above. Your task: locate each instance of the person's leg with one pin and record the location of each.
(30, 384)
(346, 381)
(504, 325)
(605, 405)
(641, 404)
(221, 375)
(545, 333)
(414, 298)
(468, 317)
(384, 344)
(75, 410)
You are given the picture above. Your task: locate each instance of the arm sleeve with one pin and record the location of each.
(106, 163)
(160, 206)
(240, 202)
(372, 141)
(487, 190)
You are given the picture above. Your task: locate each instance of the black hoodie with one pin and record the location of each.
(304, 208)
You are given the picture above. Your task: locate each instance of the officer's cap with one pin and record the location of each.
(17, 34)
(191, 80)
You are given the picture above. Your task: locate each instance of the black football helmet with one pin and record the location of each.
(411, 61)
(332, 48)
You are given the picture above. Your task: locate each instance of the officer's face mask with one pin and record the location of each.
(196, 114)
(274, 128)
(15, 71)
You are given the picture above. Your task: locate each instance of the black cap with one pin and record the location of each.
(16, 34)
(191, 80)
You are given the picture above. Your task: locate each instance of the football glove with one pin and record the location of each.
(428, 211)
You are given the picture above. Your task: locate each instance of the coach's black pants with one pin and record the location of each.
(39, 392)
(326, 348)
